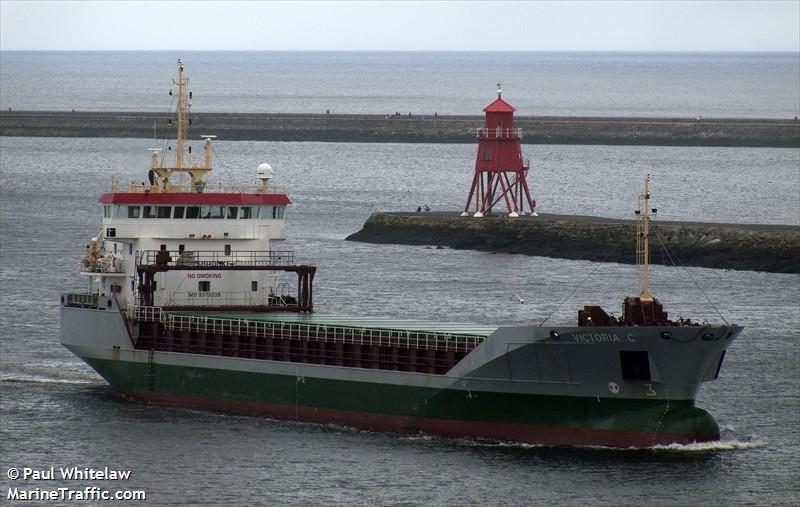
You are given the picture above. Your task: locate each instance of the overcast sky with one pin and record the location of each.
(415, 26)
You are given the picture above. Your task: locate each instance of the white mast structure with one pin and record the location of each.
(196, 172)
(643, 241)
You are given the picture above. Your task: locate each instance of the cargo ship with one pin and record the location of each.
(190, 303)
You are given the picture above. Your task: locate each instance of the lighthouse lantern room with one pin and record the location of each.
(500, 171)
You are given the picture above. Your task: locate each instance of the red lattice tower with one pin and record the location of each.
(500, 171)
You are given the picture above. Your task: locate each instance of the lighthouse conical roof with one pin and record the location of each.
(499, 106)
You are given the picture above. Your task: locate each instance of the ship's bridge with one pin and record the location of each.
(208, 215)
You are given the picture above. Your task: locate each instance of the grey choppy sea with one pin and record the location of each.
(762, 85)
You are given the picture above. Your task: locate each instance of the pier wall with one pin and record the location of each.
(408, 129)
(773, 248)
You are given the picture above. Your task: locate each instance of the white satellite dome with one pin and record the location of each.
(264, 171)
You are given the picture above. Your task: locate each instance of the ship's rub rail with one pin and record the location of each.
(310, 332)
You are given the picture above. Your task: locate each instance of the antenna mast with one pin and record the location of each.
(197, 172)
(643, 241)
(181, 138)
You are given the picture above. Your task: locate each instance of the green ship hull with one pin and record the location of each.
(539, 419)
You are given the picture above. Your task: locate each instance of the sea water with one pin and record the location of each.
(762, 85)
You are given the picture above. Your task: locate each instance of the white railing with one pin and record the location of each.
(500, 133)
(216, 258)
(210, 188)
(309, 332)
(104, 265)
(82, 300)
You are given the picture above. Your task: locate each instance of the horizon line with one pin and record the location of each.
(793, 51)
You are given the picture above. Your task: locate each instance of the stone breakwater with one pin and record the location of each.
(408, 129)
(773, 248)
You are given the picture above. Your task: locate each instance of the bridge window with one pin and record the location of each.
(254, 286)
(163, 211)
(148, 212)
(133, 211)
(264, 212)
(204, 286)
(208, 211)
(278, 212)
(178, 212)
(119, 211)
(245, 212)
(106, 211)
(233, 211)
(193, 212)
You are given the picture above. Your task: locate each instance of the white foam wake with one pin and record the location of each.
(696, 447)
(720, 445)
(36, 379)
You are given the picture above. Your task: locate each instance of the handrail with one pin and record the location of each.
(210, 188)
(310, 332)
(216, 258)
(499, 133)
(82, 300)
(104, 265)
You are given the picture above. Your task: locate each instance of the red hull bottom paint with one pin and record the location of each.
(527, 433)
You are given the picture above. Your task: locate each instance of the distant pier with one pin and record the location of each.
(773, 248)
(778, 133)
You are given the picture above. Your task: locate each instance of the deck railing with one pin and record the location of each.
(210, 188)
(104, 265)
(500, 133)
(308, 332)
(81, 300)
(216, 258)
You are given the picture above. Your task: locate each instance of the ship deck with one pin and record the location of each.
(346, 321)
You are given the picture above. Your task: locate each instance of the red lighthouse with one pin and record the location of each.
(500, 171)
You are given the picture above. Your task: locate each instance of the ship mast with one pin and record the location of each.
(182, 82)
(643, 241)
(196, 172)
